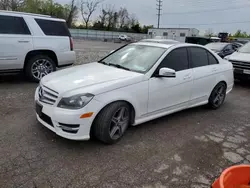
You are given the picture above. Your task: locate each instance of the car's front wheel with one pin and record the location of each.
(218, 95)
(112, 122)
(38, 67)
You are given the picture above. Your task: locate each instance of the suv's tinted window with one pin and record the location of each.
(212, 60)
(229, 47)
(198, 56)
(13, 25)
(54, 28)
(177, 60)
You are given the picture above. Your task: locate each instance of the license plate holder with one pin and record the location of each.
(39, 109)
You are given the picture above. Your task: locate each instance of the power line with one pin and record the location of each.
(159, 5)
(217, 23)
(213, 10)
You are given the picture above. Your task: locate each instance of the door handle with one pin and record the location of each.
(23, 41)
(214, 69)
(187, 77)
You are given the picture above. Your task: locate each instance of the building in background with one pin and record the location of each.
(178, 34)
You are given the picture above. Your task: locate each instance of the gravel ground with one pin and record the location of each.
(89, 51)
(186, 149)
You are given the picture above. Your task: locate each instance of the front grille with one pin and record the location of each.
(69, 128)
(240, 65)
(47, 95)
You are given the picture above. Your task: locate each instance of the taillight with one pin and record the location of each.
(71, 43)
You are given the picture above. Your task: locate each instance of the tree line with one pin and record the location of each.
(238, 34)
(81, 11)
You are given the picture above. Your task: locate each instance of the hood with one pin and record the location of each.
(84, 76)
(237, 56)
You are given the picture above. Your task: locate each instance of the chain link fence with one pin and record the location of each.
(104, 35)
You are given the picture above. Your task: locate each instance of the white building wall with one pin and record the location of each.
(178, 34)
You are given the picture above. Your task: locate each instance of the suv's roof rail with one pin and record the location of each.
(24, 13)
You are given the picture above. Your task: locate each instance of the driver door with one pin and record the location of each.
(171, 94)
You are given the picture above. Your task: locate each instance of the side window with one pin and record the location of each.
(211, 59)
(198, 57)
(228, 47)
(53, 28)
(165, 34)
(176, 59)
(13, 25)
(182, 34)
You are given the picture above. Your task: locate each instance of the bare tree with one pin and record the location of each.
(132, 20)
(110, 16)
(11, 4)
(123, 17)
(103, 17)
(72, 13)
(4, 4)
(87, 9)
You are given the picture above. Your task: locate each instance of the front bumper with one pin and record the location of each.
(67, 123)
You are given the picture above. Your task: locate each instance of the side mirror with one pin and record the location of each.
(167, 72)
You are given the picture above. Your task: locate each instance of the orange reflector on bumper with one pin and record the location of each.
(87, 115)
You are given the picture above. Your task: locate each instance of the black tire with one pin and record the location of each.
(217, 96)
(103, 124)
(32, 61)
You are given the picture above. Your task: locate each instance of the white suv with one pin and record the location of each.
(35, 44)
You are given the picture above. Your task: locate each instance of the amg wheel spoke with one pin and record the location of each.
(114, 130)
(121, 114)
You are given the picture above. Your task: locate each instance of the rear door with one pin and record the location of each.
(205, 69)
(56, 37)
(15, 40)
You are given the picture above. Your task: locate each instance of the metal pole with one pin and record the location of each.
(159, 5)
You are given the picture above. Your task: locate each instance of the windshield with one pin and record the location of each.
(138, 58)
(216, 46)
(245, 48)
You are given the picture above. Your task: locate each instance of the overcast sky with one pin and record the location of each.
(180, 13)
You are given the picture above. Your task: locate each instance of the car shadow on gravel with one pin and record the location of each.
(13, 78)
(244, 84)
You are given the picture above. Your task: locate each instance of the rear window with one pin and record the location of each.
(13, 25)
(53, 28)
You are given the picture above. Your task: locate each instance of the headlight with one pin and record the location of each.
(75, 102)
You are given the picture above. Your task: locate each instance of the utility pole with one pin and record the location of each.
(158, 8)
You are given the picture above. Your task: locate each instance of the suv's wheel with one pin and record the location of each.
(38, 67)
(112, 122)
(218, 95)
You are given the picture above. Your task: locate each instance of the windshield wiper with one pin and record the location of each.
(119, 66)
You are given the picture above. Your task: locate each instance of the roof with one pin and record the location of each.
(14, 13)
(164, 45)
(163, 41)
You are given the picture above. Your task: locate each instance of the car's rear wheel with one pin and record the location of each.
(39, 66)
(218, 95)
(112, 122)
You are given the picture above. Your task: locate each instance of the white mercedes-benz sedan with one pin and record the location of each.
(132, 85)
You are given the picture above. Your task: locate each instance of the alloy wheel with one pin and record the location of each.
(119, 123)
(219, 95)
(41, 68)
